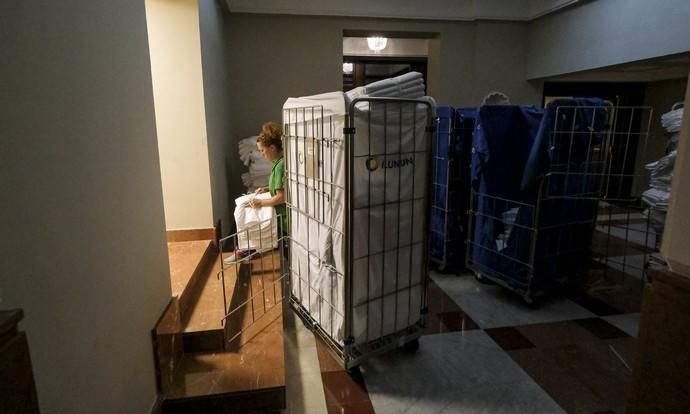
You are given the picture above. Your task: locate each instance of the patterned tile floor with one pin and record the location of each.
(484, 351)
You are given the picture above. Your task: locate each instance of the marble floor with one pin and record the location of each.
(483, 351)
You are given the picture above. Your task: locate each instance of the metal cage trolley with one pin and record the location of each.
(540, 182)
(450, 189)
(357, 194)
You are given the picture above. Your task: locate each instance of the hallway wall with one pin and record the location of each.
(595, 34)
(83, 233)
(274, 57)
(224, 162)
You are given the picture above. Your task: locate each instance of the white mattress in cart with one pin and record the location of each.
(387, 233)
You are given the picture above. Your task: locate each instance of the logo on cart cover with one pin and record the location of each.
(373, 163)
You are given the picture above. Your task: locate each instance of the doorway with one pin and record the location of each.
(363, 70)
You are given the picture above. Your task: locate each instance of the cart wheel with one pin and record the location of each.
(442, 268)
(356, 374)
(482, 279)
(530, 301)
(412, 346)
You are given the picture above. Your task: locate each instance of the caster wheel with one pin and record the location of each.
(482, 279)
(356, 375)
(443, 268)
(411, 347)
(530, 301)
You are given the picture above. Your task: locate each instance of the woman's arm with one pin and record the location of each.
(277, 199)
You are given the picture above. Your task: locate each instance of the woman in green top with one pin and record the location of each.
(270, 145)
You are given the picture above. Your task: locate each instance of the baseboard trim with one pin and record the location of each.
(191, 234)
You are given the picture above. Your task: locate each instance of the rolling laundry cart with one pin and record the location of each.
(538, 179)
(450, 187)
(357, 195)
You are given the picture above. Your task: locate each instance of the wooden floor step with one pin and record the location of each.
(253, 289)
(252, 378)
(258, 279)
(190, 264)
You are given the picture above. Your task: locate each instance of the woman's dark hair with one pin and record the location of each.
(271, 134)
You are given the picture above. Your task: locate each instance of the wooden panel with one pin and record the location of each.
(17, 389)
(661, 375)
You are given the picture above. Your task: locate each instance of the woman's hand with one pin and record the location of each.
(255, 203)
(260, 190)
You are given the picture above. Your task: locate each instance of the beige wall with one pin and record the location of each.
(676, 243)
(83, 232)
(274, 57)
(174, 44)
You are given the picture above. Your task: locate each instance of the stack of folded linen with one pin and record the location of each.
(671, 122)
(259, 167)
(410, 85)
(661, 171)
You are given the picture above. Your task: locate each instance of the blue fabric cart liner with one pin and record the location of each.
(450, 190)
(513, 149)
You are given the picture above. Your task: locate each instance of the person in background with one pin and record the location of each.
(270, 145)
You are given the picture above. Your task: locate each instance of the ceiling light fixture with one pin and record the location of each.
(377, 43)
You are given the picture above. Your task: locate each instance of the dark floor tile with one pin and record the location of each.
(583, 378)
(594, 305)
(340, 388)
(570, 393)
(361, 407)
(327, 362)
(457, 321)
(444, 314)
(439, 301)
(601, 328)
(555, 334)
(509, 338)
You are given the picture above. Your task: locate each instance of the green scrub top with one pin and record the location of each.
(275, 182)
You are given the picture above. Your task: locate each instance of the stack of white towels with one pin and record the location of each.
(259, 167)
(671, 122)
(661, 171)
(409, 85)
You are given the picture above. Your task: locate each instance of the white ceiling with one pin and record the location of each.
(466, 10)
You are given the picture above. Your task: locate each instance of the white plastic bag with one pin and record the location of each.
(257, 228)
